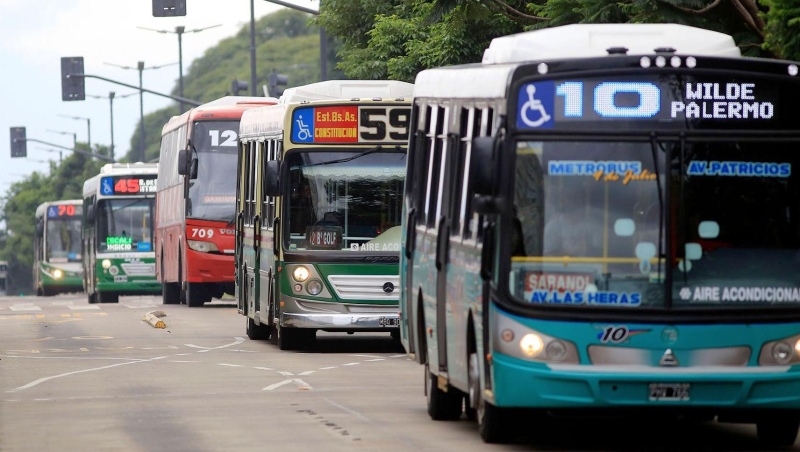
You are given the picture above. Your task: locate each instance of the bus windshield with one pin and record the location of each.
(593, 230)
(212, 195)
(63, 240)
(125, 225)
(345, 200)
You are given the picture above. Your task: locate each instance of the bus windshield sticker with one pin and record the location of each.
(744, 294)
(605, 171)
(715, 168)
(550, 104)
(324, 237)
(350, 124)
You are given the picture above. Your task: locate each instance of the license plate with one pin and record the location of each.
(386, 321)
(667, 392)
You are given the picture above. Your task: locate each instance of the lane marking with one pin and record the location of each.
(276, 385)
(67, 374)
(238, 340)
(25, 307)
(83, 308)
(230, 365)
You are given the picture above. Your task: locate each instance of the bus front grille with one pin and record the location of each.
(366, 287)
(139, 269)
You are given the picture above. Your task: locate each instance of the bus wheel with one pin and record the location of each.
(92, 298)
(288, 338)
(778, 430)
(491, 422)
(105, 297)
(442, 406)
(196, 295)
(473, 396)
(256, 332)
(171, 293)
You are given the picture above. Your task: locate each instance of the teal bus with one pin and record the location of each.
(605, 219)
(319, 209)
(57, 264)
(117, 238)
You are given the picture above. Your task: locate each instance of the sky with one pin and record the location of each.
(36, 34)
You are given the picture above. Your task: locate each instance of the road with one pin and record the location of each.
(77, 377)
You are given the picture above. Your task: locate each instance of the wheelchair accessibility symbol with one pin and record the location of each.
(535, 106)
(303, 129)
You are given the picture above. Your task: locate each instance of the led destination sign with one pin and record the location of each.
(64, 211)
(653, 102)
(127, 185)
(351, 124)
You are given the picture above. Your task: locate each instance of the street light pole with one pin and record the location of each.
(180, 30)
(141, 68)
(88, 127)
(111, 96)
(252, 48)
(74, 135)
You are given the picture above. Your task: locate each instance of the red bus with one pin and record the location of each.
(195, 200)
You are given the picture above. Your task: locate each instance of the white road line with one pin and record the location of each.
(238, 340)
(25, 307)
(376, 359)
(62, 303)
(351, 364)
(276, 385)
(83, 308)
(326, 368)
(308, 372)
(263, 368)
(230, 365)
(44, 379)
(284, 373)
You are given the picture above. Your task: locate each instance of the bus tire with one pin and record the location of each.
(196, 295)
(474, 384)
(170, 292)
(105, 297)
(491, 422)
(92, 298)
(291, 338)
(442, 405)
(256, 332)
(778, 430)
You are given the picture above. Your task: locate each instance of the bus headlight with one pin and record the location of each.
(314, 287)
(781, 352)
(202, 247)
(531, 344)
(106, 263)
(300, 273)
(57, 274)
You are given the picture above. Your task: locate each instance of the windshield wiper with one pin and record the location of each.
(377, 148)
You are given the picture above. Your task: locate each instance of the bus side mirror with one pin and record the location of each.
(186, 164)
(272, 178)
(39, 228)
(90, 214)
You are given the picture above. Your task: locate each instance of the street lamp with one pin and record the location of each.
(180, 30)
(88, 127)
(74, 135)
(141, 68)
(110, 98)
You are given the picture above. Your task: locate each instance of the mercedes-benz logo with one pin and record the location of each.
(388, 287)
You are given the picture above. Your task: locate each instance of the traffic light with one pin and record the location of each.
(72, 87)
(276, 80)
(239, 85)
(19, 144)
(169, 8)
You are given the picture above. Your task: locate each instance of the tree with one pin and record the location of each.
(395, 39)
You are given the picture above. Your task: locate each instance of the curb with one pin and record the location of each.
(153, 318)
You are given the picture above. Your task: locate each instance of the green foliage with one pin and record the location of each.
(783, 28)
(65, 181)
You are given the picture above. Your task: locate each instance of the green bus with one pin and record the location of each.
(57, 248)
(117, 238)
(318, 247)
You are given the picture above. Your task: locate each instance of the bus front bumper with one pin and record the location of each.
(339, 316)
(535, 385)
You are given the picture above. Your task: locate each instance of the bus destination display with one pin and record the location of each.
(651, 102)
(64, 211)
(127, 185)
(350, 124)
